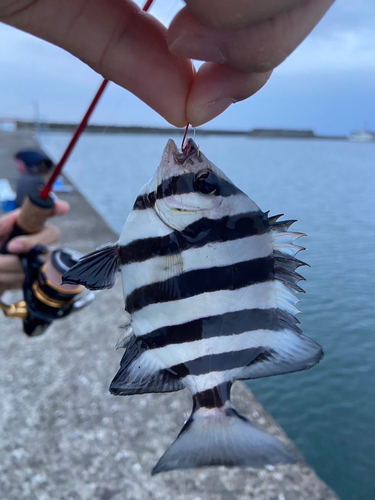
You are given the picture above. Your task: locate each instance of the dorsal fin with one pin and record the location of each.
(288, 349)
(96, 270)
(284, 252)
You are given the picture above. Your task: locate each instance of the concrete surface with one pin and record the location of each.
(64, 437)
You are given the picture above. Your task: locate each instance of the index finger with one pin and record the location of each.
(7, 222)
(61, 208)
(119, 41)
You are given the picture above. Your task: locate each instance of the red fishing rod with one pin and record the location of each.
(81, 127)
(45, 299)
(36, 211)
(77, 134)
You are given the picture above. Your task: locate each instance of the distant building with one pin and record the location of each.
(8, 125)
(290, 133)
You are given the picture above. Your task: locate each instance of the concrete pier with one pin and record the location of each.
(64, 437)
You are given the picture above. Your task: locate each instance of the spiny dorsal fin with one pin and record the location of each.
(273, 218)
(282, 225)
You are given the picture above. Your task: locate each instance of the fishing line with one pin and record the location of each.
(81, 127)
(185, 135)
(115, 109)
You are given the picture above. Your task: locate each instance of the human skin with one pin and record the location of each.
(11, 272)
(241, 42)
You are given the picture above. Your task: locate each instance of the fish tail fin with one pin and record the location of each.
(221, 436)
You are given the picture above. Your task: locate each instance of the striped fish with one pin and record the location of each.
(210, 286)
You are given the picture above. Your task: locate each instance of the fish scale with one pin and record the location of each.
(210, 285)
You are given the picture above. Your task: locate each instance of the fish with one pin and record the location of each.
(210, 289)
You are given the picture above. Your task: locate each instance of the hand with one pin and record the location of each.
(241, 40)
(11, 272)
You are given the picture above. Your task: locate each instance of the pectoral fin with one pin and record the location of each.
(96, 270)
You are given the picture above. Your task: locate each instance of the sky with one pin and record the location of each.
(327, 84)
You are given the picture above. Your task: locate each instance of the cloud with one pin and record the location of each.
(343, 41)
(349, 15)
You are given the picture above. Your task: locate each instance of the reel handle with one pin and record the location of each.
(32, 218)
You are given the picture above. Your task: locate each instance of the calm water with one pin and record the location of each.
(329, 187)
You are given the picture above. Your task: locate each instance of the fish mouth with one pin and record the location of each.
(173, 203)
(173, 213)
(176, 162)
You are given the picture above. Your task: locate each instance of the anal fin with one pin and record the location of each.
(141, 373)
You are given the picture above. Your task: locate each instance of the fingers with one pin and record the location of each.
(216, 87)
(11, 282)
(117, 40)
(258, 47)
(7, 222)
(129, 47)
(48, 236)
(11, 273)
(253, 38)
(23, 244)
(10, 264)
(60, 208)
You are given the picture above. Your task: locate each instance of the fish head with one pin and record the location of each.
(187, 186)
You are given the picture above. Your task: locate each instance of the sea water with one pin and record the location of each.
(329, 186)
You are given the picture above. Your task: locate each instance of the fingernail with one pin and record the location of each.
(194, 46)
(212, 109)
(16, 246)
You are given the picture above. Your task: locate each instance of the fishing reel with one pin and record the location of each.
(45, 299)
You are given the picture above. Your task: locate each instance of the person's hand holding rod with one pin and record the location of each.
(11, 271)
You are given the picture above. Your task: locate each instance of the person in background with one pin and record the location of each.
(34, 168)
(11, 272)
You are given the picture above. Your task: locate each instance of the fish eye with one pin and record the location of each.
(206, 182)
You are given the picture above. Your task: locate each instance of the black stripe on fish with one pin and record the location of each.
(182, 184)
(222, 362)
(212, 398)
(197, 234)
(230, 323)
(199, 281)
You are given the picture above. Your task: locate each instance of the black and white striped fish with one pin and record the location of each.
(209, 283)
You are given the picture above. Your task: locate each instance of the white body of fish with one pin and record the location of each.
(210, 287)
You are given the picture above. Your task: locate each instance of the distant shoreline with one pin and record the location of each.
(120, 129)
